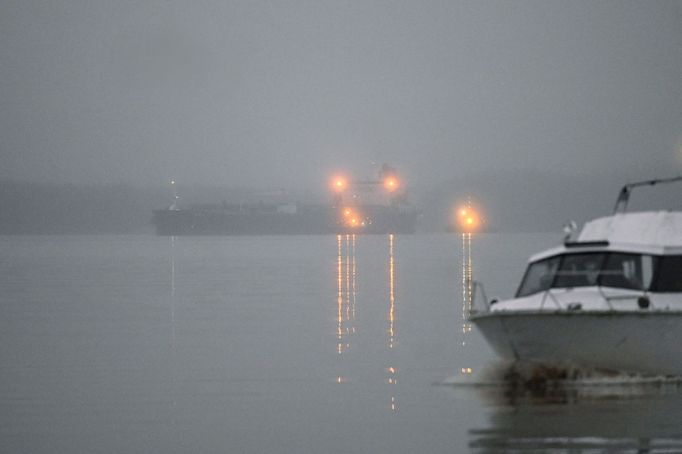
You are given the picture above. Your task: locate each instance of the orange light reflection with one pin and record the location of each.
(346, 291)
(392, 371)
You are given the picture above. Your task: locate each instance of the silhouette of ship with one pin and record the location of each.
(366, 207)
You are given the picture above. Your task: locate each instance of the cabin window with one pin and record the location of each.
(579, 270)
(668, 274)
(538, 277)
(615, 269)
(631, 271)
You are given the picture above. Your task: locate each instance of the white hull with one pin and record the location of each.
(647, 342)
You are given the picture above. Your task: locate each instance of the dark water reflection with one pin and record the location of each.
(639, 416)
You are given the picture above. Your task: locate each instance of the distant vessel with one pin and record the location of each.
(610, 300)
(369, 207)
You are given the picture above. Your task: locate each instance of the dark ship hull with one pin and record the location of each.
(263, 220)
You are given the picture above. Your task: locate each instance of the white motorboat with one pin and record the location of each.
(610, 300)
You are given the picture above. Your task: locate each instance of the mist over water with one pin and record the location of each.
(276, 344)
(539, 110)
(281, 95)
(115, 340)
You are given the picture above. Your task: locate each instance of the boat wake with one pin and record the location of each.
(526, 377)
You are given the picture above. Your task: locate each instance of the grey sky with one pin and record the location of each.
(234, 93)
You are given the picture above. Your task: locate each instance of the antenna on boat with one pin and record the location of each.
(624, 195)
(174, 206)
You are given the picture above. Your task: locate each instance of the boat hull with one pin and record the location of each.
(636, 341)
(261, 222)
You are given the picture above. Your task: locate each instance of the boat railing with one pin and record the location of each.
(549, 293)
(641, 297)
(624, 194)
(477, 288)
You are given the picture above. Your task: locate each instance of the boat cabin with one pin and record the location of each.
(614, 261)
(610, 300)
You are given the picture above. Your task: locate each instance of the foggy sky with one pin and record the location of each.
(284, 93)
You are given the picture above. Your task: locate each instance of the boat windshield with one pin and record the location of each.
(539, 276)
(615, 269)
(579, 270)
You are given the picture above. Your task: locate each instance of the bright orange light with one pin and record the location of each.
(339, 184)
(350, 217)
(468, 219)
(391, 183)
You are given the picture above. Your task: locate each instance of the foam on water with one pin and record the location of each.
(534, 376)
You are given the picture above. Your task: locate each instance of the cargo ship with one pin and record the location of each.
(376, 206)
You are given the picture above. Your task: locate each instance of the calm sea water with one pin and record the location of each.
(324, 344)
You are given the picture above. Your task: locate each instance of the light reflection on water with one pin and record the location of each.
(467, 284)
(392, 336)
(346, 306)
(467, 273)
(346, 294)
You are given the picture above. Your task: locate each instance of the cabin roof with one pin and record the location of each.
(649, 232)
(648, 228)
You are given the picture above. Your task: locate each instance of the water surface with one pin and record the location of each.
(276, 344)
